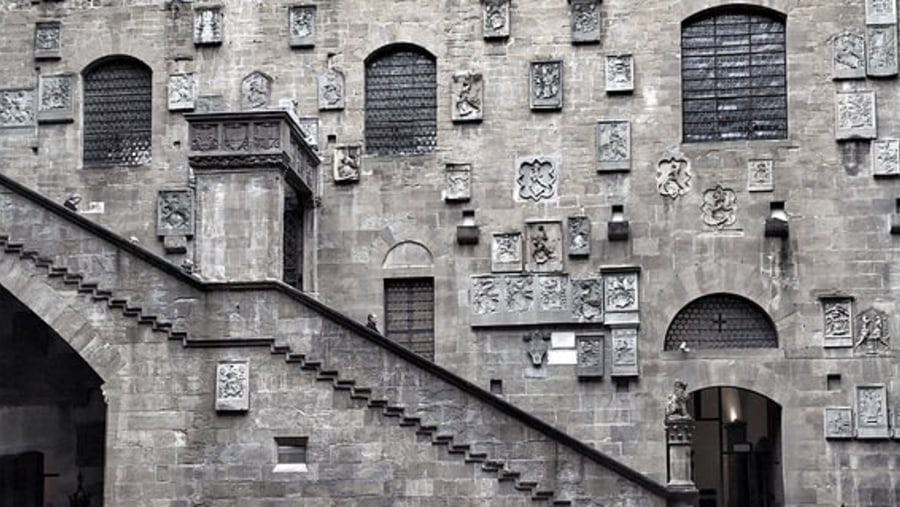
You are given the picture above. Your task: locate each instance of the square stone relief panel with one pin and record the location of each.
(209, 25)
(544, 246)
(848, 56)
(619, 73)
(302, 26)
(48, 40)
(837, 320)
(838, 423)
(591, 356)
(17, 108)
(585, 16)
(613, 145)
(579, 236)
(506, 252)
(886, 157)
(881, 12)
(871, 411)
(537, 178)
(347, 164)
(495, 19)
(459, 182)
(624, 353)
(467, 97)
(760, 175)
(182, 91)
(546, 85)
(233, 386)
(854, 115)
(881, 50)
(56, 98)
(175, 213)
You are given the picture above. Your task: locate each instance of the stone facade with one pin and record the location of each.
(534, 160)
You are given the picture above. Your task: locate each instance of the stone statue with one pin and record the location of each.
(676, 406)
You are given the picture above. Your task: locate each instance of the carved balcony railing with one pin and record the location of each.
(243, 140)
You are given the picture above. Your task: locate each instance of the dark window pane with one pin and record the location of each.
(118, 104)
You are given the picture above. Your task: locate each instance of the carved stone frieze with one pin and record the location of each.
(854, 115)
(585, 16)
(486, 295)
(880, 12)
(619, 73)
(760, 175)
(873, 333)
(56, 98)
(519, 294)
(544, 246)
(579, 236)
(613, 146)
(459, 182)
(48, 40)
(838, 423)
(554, 292)
(837, 320)
(17, 108)
(587, 300)
(302, 26)
(331, 90)
(537, 178)
(546, 85)
(673, 176)
(871, 411)
(529, 299)
(506, 252)
(467, 97)
(624, 350)
(537, 343)
(848, 56)
(233, 386)
(236, 136)
(204, 137)
(175, 213)
(209, 25)
(256, 90)
(719, 208)
(347, 163)
(495, 19)
(881, 50)
(590, 350)
(886, 157)
(182, 91)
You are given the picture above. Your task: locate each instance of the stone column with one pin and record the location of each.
(679, 437)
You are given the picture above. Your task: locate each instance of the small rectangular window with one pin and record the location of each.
(290, 454)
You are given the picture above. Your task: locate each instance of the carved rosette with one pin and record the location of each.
(881, 51)
(495, 19)
(302, 26)
(506, 252)
(17, 108)
(467, 97)
(233, 386)
(848, 56)
(546, 85)
(838, 423)
(182, 91)
(459, 182)
(886, 157)
(837, 319)
(619, 73)
(209, 25)
(585, 21)
(579, 236)
(871, 411)
(48, 40)
(719, 208)
(56, 98)
(331, 90)
(590, 350)
(347, 164)
(544, 244)
(673, 176)
(873, 333)
(537, 178)
(175, 213)
(613, 146)
(855, 115)
(760, 175)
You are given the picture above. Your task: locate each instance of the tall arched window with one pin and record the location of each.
(401, 101)
(733, 75)
(118, 104)
(721, 321)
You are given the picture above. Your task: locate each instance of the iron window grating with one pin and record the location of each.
(734, 72)
(118, 106)
(409, 314)
(721, 321)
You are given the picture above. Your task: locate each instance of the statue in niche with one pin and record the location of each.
(519, 293)
(719, 207)
(673, 176)
(676, 406)
(537, 347)
(485, 296)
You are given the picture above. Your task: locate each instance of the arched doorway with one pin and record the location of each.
(737, 448)
(52, 415)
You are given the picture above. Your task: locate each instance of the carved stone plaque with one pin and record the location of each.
(590, 352)
(553, 293)
(310, 128)
(854, 115)
(331, 90)
(485, 293)
(619, 73)
(347, 164)
(837, 319)
(302, 26)
(544, 246)
(624, 351)
(495, 19)
(613, 146)
(48, 40)
(881, 50)
(673, 175)
(872, 333)
(182, 90)
(760, 175)
(537, 178)
(17, 108)
(56, 98)
(459, 183)
(587, 300)
(585, 20)
(506, 252)
(519, 294)
(209, 25)
(546, 85)
(838, 423)
(233, 386)
(579, 236)
(871, 411)
(256, 90)
(886, 157)
(467, 97)
(719, 208)
(881, 12)
(849, 56)
(175, 213)
(209, 104)
(621, 295)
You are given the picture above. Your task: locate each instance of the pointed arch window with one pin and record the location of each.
(118, 105)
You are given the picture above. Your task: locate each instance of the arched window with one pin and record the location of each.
(721, 321)
(401, 101)
(733, 75)
(118, 103)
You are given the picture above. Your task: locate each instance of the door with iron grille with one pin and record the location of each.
(409, 314)
(293, 241)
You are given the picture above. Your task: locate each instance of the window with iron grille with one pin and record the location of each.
(733, 76)
(401, 101)
(409, 314)
(118, 103)
(292, 256)
(721, 321)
